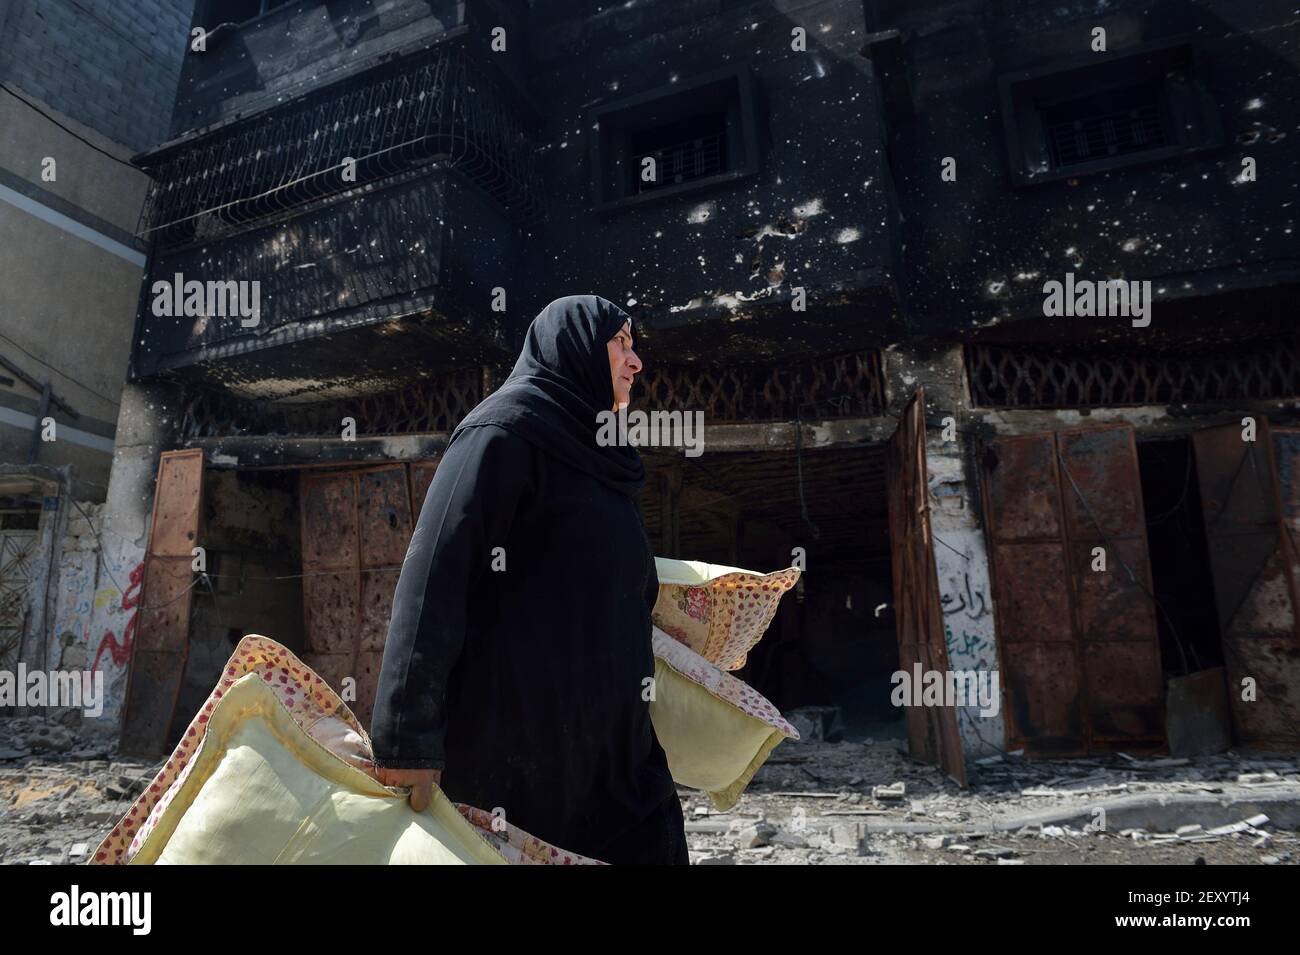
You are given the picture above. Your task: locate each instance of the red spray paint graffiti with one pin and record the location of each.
(120, 652)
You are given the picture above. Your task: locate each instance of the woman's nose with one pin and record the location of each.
(633, 363)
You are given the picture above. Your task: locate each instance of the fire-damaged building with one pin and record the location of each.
(843, 254)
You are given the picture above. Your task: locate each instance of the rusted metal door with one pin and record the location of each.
(1250, 498)
(162, 633)
(1078, 644)
(355, 529)
(932, 732)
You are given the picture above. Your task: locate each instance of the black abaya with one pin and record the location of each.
(519, 646)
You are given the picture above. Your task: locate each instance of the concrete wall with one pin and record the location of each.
(272, 58)
(957, 523)
(106, 636)
(980, 248)
(69, 205)
(818, 213)
(67, 306)
(110, 64)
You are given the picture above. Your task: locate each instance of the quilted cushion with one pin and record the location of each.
(715, 730)
(719, 612)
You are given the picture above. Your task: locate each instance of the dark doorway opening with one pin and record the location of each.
(1180, 564)
(251, 539)
(833, 641)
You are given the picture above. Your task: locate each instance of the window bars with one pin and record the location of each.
(1022, 377)
(444, 107)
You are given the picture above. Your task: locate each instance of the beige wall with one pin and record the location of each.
(67, 305)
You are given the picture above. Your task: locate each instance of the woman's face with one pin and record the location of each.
(623, 363)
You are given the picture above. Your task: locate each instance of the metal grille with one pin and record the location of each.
(842, 386)
(1002, 377)
(436, 405)
(1100, 133)
(17, 549)
(686, 161)
(444, 107)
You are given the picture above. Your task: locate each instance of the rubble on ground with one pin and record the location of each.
(911, 813)
(815, 802)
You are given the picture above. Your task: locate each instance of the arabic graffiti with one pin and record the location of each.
(962, 570)
(963, 598)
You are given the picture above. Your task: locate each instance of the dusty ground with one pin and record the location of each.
(812, 803)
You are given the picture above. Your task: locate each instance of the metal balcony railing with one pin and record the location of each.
(444, 107)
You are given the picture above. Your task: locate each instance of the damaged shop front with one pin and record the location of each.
(1068, 507)
(303, 534)
(1123, 569)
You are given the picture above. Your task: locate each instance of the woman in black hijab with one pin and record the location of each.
(518, 654)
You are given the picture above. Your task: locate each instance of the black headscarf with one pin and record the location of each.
(558, 386)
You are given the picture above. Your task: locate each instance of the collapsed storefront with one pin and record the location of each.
(1123, 576)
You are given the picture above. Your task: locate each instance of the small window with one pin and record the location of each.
(679, 152)
(675, 139)
(1117, 111)
(24, 520)
(1110, 124)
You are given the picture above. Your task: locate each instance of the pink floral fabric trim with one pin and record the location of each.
(723, 618)
(309, 700)
(724, 686)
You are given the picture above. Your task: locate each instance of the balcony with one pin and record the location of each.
(376, 214)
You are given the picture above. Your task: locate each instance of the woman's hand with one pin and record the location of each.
(421, 782)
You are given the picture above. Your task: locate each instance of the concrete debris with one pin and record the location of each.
(817, 724)
(938, 842)
(850, 802)
(1246, 825)
(848, 837)
(1255, 779)
(50, 738)
(890, 793)
(756, 836)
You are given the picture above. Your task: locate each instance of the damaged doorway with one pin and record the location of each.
(1071, 577)
(1249, 485)
(861, 608)
(248, 581)
(827, 649)
(1198, 536)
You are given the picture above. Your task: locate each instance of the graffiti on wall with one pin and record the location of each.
(69, 647)
(95, 621)
(119, 648)
(114, 620)
(962, 566)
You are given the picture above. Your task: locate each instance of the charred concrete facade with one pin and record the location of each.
(834, 222)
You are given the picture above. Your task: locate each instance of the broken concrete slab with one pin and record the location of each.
(894, 792)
